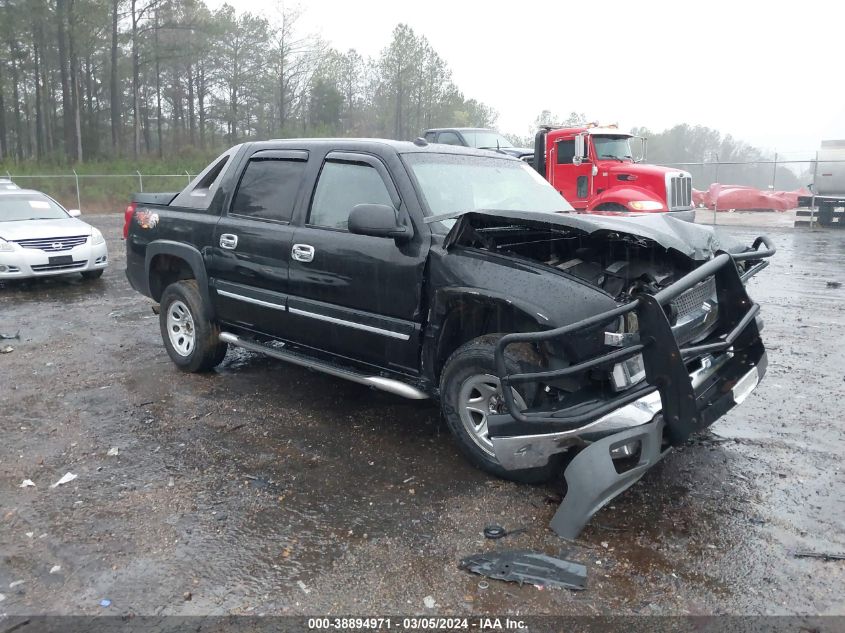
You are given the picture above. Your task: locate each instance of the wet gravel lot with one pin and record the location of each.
(266, 488)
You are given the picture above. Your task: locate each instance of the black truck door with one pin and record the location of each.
(355, 295)
(251, 247)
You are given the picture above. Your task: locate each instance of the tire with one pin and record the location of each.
(91, 275)
(469, 375)
(191, 340)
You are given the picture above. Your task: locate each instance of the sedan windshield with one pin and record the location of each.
(483, 139)
(33, 206)
(616, 147)
(452, 183)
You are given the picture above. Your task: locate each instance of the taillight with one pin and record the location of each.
(127, 218)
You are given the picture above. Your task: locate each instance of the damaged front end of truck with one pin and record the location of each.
(623, 386)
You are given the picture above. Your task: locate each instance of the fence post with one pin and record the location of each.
(775, 171)
(78, 197)
(140, 181)
(813, 203)
(189, 176)
(716, 179)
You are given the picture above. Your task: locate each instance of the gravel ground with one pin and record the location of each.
(265, 488)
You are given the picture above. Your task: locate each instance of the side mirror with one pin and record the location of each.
(639, 156)
(378, 220)
(74, 213)
(579, 150)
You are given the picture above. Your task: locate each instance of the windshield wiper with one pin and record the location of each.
(613, 156)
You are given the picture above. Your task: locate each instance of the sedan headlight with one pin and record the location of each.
(5, 247)
(646, 205)
(97, 238)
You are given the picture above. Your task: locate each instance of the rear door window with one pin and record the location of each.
(449, 138)
(268, 189)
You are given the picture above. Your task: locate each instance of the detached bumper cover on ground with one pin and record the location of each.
(646, 420)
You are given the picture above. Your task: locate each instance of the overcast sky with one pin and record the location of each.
(769, 73)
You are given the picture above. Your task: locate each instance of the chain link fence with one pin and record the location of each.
(98, 193)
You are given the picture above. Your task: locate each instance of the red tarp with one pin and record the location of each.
(737, 197)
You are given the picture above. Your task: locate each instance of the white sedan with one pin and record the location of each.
(39, 238)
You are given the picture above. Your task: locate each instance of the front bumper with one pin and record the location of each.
(24, 263)
(662, 411)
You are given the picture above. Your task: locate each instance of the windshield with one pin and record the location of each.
(33, 206)
(452, 183)
(617, 147)
(483, 139)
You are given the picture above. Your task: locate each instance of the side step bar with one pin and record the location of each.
(377, 382)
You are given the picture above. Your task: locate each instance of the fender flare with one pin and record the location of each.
(191, 256)
(624, 195)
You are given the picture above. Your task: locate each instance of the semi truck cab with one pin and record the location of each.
(601, 170)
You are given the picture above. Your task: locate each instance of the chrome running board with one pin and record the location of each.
(377, 382)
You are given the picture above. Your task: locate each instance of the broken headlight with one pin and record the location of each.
(627, 373)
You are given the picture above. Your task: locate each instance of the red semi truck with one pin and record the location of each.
(596, 170)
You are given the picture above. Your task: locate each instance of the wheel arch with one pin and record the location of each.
(463, 315)
(167, 262)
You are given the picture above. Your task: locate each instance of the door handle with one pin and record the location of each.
(228, 241)
(302, 252)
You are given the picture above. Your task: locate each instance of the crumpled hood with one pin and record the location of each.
(40, 229)
(693, 240)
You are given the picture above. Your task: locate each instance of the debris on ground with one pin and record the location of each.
(67, 478)
(27, 483)
(16, 583)
(9, 337)
(497, 531)
(820, 555)
(303, 586)
(187, 596)
(105, 602)
(834, 284)
(523, 566)
(429, 602)
(113, 451)
(7, 350)
(55, 569)
(2, 597)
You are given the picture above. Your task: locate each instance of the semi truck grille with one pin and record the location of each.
(693, 299)
(54, 244)
(679, 192)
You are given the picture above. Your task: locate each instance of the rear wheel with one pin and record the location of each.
(192, 340)
(469, 392)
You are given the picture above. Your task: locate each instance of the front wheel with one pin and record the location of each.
(192, 340)
(470, 392)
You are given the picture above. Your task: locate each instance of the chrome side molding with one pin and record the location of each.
(389, 385)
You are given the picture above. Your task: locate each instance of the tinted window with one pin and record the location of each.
(429, 136)
(341, 187)
(268, 189)
(565, 152)
(449, 138)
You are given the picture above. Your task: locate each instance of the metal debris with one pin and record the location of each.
(497, 531)
(524, 566)
(820, 555)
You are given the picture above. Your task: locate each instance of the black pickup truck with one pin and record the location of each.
(450, 273)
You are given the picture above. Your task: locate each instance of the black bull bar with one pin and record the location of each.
(686, 408)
